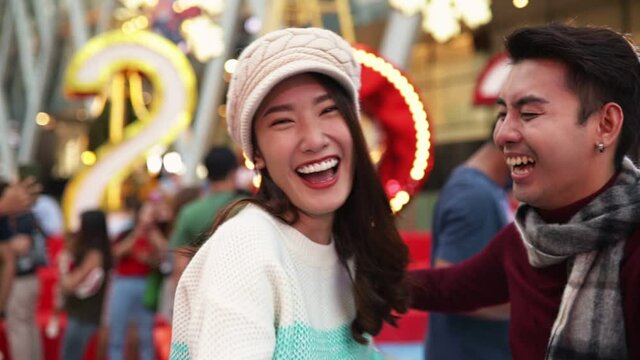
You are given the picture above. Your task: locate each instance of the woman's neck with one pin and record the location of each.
(316, 228)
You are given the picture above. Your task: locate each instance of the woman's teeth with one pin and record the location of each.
(318, 167)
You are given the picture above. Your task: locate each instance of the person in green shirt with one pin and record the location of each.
(195, 218)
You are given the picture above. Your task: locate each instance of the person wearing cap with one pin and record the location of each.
(312, 266)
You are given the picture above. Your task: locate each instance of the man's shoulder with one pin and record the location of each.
(632, 249)
(196, 204)
(508, 239)
(195, 207)
(212, 200)
(467, 180)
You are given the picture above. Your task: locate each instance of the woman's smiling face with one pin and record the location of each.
(305, 145)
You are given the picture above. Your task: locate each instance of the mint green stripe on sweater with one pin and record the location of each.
(179, 351)
(302, 342)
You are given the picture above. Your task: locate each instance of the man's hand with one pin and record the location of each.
(19, 197)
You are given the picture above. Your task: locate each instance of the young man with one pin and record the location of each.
(195, 218)
(570, 264)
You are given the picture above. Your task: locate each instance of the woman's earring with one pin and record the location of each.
(601, 148)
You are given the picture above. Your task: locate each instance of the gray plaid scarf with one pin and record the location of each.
(590, 322)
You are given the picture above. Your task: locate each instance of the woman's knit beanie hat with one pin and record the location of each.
(277, 56)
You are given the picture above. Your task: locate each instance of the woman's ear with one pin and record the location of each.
(610, 124)
(258, 160)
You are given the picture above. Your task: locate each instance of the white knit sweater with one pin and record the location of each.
(259, 289)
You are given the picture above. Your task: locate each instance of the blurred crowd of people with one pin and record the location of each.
(115, 271)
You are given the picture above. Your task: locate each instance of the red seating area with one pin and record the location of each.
(411, 326)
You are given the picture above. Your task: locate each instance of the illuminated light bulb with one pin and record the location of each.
(256, 181)
(204, 37)
(407, 7)
(399, 201)
(473, 12)
(441, 17)
(201, 172)
(172, 162)
(403, 197)
(213, 7)
(88, 157)
(393, 186)
(440, 20)
(141, 22)
(230, 65)
(154, 164)
(43, 119)
(253, 25)
(375, 156)
(394, 206)
(177, 7)
(416, 174)
(96, 106)
(249, 164)
(520, 4)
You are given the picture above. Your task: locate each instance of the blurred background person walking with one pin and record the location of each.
(471, 208)
(84, 271)
(195, 219)
(137, 253)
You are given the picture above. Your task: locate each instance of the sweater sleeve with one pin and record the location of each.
(224, 306)
(477, 282)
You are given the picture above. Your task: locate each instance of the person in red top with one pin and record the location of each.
(570, 262)
(137, 254)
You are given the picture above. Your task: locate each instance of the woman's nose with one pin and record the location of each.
(314, 137)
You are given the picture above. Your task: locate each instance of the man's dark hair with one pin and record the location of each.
(602, 66)
(220, 161)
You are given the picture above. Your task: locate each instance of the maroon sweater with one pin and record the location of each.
(501, 273)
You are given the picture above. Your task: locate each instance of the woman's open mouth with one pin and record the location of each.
(319, 172)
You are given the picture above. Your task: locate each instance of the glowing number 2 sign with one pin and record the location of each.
(174, 92)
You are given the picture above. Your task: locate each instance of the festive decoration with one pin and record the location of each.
(491, 79)
(441, 18)
(192, 24)
(388, 96)
(99, 65)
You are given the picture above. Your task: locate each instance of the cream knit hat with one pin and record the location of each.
(277, 56)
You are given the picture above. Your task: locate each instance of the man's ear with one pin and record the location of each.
(610, 124)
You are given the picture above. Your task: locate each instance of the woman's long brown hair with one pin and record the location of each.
(364, 230)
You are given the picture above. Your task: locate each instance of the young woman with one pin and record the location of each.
(84, 268)
(313, 266)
